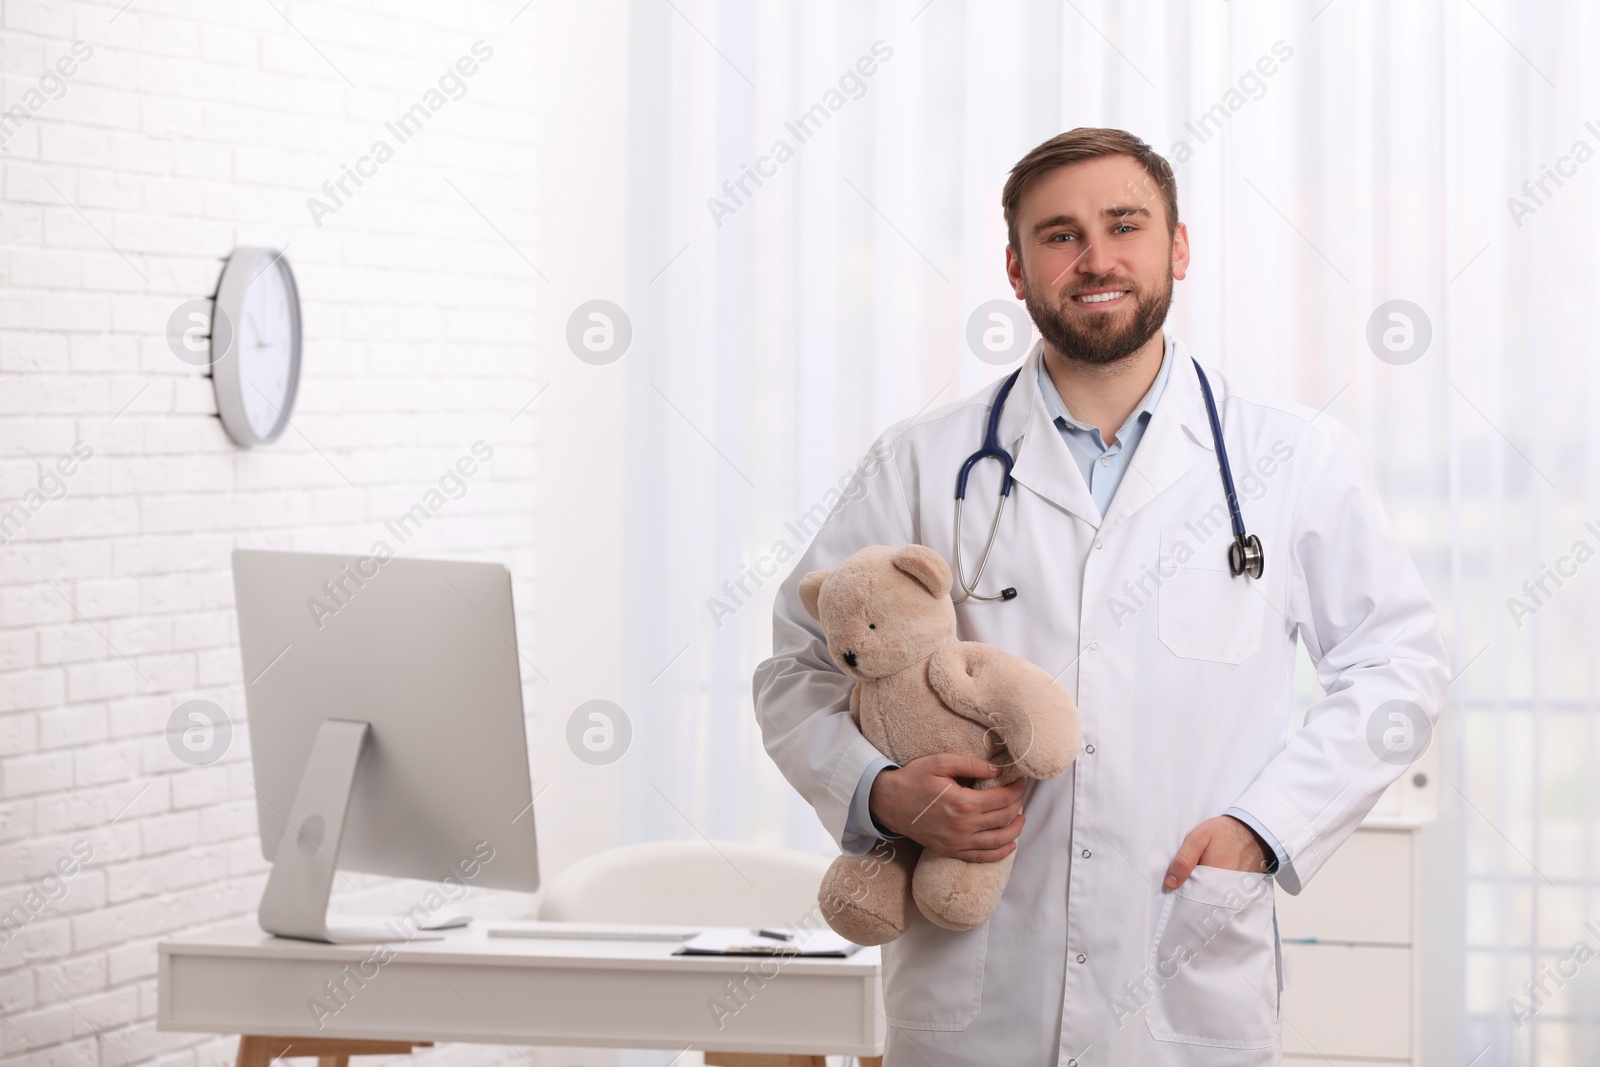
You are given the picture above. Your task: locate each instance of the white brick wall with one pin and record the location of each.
(196, 126)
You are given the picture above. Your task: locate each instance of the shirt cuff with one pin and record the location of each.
(860, 821)
(1280, 859)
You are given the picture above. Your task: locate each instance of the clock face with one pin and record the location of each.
(266, 351)
(258, 374)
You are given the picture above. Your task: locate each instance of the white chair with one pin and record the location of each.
(691, 883)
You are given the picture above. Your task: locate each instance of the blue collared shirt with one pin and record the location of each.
(1102, 467)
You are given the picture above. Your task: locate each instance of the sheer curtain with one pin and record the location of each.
(1332, 156)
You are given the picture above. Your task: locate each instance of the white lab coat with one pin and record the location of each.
(1182, 673)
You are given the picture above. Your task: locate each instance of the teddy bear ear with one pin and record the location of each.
(810, 588)
(926, 566)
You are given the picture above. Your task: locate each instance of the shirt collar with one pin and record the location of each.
(1146, 406)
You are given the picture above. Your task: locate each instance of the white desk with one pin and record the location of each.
(531, 991)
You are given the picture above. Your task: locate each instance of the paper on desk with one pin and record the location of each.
(731, 941)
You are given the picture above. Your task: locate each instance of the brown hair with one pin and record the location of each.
(1075, 146)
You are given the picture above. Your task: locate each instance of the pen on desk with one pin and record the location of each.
(779, 934)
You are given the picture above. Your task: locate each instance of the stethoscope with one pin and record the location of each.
(1244, 553)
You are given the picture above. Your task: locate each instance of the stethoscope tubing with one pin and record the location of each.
(1222, 454)
(991, 444)
(1245, 555)
(991, 450)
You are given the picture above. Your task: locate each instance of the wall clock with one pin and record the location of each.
(255, 321)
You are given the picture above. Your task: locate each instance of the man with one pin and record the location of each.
(1139, 925)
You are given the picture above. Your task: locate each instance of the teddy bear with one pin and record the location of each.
(890, 625)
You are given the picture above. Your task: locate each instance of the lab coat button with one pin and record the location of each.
(1099, 544)
(1088, 748)
(1085, 853)
(1082, 958)
(1094, 646)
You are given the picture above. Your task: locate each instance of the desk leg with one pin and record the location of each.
(257, 1051)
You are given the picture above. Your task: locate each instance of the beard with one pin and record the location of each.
(1096, 339)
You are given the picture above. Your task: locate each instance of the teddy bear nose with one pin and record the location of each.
(850, 659)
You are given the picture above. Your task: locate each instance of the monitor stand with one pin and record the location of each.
(295, 903)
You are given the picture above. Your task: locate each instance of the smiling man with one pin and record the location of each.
(1138, 926)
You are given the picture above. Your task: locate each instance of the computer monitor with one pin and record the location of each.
(386, 726)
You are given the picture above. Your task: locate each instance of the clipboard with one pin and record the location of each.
(730, 941)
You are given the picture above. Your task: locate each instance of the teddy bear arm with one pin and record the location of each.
(950, 675)
(1036, 717)
(1030, 704)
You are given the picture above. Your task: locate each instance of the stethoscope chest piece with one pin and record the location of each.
(1245, 556)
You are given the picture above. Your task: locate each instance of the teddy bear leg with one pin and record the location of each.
(958, 895)
(867, 899)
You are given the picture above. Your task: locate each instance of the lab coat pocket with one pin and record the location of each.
(1213, 962)
(1204, 612)
(933, 977)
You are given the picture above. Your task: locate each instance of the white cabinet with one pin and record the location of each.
(1347, 1000)
(1353, 953)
